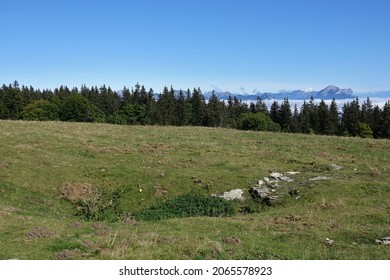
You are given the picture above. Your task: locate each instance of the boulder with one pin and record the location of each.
(384, 240)
(232, 195)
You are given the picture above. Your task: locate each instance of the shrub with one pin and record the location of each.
(40, 110)
(365, 130)
(188, 205)
(257, 122)
(100, 207)
(77, 108)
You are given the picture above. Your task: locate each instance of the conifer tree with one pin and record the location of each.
(385, 124)
(274, 112)
(285, 115)
(198, 106)
(294, 126)
(334, 118)
(324, 122)
(214, 111)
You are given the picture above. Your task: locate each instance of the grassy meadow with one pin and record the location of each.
(152, 164)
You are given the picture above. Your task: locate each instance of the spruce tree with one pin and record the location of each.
(385, 124)
(285, 115)
(214, 111)
(324, 122)
(334, 118)
(198, 106)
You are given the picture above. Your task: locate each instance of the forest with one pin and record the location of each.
(138, 106)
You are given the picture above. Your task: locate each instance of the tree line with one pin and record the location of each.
(138, 106)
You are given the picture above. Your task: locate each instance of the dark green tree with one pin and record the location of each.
(350, 118)
(324, 121)
(385, 124)
(285, 115)
(257, 122)
(213, 111)
(334, 118)
(78, 109)
(41, 110)
(198, 107)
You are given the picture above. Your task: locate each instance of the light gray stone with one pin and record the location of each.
(335, 166)
(319, 178)
(384, 240)
(232, 195)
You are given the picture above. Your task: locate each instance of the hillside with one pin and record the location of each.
(45, 165)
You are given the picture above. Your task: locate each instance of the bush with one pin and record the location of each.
(78, 109)
(365, 130)
(40, 110)
(100, 207)
(188, 205)
(114, 207)
(257, 122)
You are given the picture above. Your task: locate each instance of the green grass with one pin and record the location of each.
(38, 158)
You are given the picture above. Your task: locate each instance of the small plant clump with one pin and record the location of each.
(109, 207)
(188, 205)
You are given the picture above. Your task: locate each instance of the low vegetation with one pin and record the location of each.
(100, 191)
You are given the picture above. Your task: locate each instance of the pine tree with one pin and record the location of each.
(385, 124)
(294, 126)
(261, 107)
(182, 116)
(304, 119)
(334, 118)
(324, 122)
(151, 109)
(274, 112)
(166, 106)
(285, 115)
(198, 106)
(13, 101)
(350, 118)
(213, 111)
(376, 122)
(313, 115)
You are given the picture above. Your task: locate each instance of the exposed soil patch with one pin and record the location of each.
(231, 240)
(3, 165)
(76, 225)
(69, 254)
(40, 232)
(287, 219)
(160, 191)
(76, 191)
(101, 229)
(92, 245)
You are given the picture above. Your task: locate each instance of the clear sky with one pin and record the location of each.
(268, 45)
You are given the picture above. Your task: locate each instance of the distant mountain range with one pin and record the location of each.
(329, 92)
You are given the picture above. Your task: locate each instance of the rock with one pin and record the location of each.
(276, 175)
(384, 240)
(329, 242)
(232, 195)
(260, 183)
(286, 179)
(293, 172)
(335, 166)
(319, 178)
(260, 192)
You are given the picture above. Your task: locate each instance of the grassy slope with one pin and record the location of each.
(38, 158)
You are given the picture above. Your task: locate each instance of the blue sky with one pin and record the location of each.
(268, 45)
